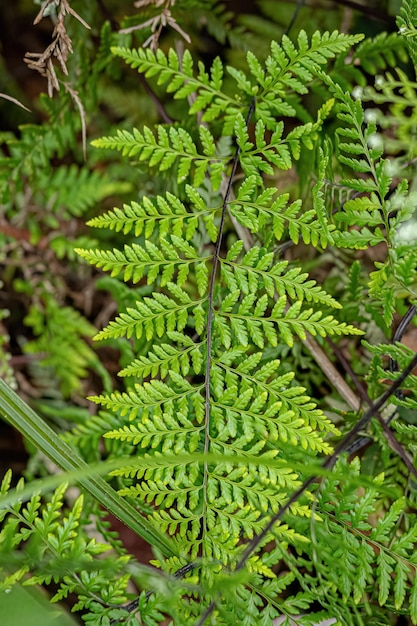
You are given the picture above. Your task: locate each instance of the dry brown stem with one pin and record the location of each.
(58, 49)
(161, 20)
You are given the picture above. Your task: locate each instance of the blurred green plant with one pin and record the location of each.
(275, 202)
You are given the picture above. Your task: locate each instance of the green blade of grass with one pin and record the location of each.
(40, 434)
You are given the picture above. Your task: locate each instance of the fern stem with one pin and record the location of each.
(395, 445)
(393, 366)
(300, 5)
(216, 258)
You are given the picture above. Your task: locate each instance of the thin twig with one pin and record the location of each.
(396, 446)
(399, 333)
(363, 441)
(331, 372)
(107, 15)
(299, 6)
(132, 606)
(349, 371)
(76, 99)
(366, 10)
(157, 102)
(14, 100)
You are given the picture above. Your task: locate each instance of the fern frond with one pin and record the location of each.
(373, 559)
(90, 431)
(291, 67)
(359, 240)
(51, 542)
(258, 270)
(171, 481)
(166, 432)
(397, 92)
(262, 156)
(286, 68)
(375, 54)
(169, 148)
(154, 397)
(245, 323)
(257, 211)
(157, 315)
(220, 423)
(60, 334)
(188, 357)
(233, 365)
(166, 261)
(165, 215)
(407, 24)
(72, 190)
(178, 75)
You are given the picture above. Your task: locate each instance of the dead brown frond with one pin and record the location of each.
(163, 19)
(58, 49)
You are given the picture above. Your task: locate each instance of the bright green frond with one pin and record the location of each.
(164, 216)
(165, 149)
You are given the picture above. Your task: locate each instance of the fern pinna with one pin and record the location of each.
(222, 432)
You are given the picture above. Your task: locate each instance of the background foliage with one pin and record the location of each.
(244, 177)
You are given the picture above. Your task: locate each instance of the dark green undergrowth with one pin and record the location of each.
(209, 284)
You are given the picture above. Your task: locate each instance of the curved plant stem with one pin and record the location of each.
(37, 431)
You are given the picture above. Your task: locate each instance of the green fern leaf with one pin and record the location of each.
(165, 215)
(385, 573)
(135, 260)
(166, 357)
(400, 579)
(406, 22)
(178, 74)
(376, 53)
(256, 211)
(157, 315)
(168, 148)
